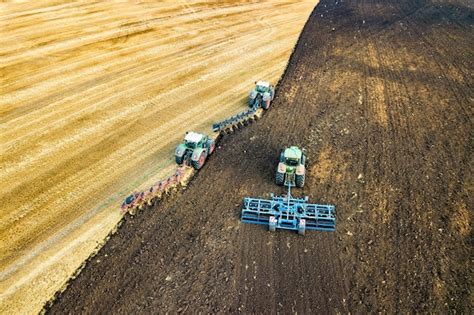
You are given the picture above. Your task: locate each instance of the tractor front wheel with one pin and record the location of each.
(300, 181)
(199, 163)
(279, 178)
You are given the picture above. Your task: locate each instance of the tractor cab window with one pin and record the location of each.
(291, 162)
(191, 145)
(261, 88)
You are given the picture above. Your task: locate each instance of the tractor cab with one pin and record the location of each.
(194, 140)
(262, 86)
(292, 156)
(194, 150)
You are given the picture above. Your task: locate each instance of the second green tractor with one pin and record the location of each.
(291, 169)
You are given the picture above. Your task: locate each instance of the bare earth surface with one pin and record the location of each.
(94, 98)
(380, 92)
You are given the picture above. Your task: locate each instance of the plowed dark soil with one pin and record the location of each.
(380, 94)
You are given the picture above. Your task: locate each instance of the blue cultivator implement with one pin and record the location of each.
(287, 212)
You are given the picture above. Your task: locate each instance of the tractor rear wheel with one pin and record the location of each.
(279, 178)
(199, 163)
(179, 159)
(212, 147)
(300, 180)
(265, 105)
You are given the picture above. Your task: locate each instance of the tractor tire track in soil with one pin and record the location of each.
(380, 95)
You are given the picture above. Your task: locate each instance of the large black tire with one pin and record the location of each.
(265, 106)
(199, 163)
(300, 181)
(179, 159)
(280, 178)
(303, 160)
(212, 146)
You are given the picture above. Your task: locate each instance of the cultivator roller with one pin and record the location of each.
(287, 212)
(236, 120)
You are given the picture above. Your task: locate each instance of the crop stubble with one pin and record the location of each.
(94, 97)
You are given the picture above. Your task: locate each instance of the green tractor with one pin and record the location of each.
(261, 95)
(292, 167)
(195, 150)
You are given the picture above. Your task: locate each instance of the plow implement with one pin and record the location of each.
(138, 200)
(287, 212)
(237, 121)
(259, 99)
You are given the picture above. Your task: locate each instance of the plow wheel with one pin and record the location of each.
(199, 163)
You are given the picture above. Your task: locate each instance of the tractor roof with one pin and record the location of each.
(263, 83)
(292, 153)
(193, 137)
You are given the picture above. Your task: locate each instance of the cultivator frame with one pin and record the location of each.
(290, 213)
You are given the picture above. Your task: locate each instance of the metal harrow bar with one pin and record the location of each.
(286, 212)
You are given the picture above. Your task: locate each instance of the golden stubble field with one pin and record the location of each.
(95, 97)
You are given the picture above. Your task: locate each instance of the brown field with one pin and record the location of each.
(95, 97)
(380, 93)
